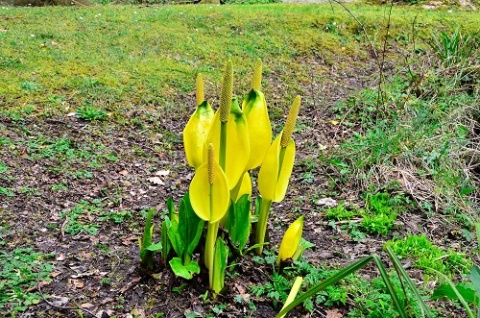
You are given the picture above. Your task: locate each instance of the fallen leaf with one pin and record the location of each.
(162, 173)
(75, 283)
(54, 274)
(58, 301)
(123, 172)
(88, 306)
(156, 180)
(334, 122)
(333, 313)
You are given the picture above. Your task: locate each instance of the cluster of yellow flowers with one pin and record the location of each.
(223, 146)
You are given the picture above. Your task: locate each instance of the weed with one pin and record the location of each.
(8, 192)
(91, 113)
(59, 187)
(427, 255)
(116, 217)
(340, 212)
(79, 218)
(451, 48)
(20, 270)
(380, 212)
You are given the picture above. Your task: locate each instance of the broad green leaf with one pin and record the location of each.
(166, 245)
(155, 247)
(446, 291)
(190, 226)
(238, 221)
(184, 271)
(176, 239)
(170, 207)
(219, 265)
(475, 279)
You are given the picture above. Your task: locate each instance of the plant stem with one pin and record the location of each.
(262, 225)
(212, 232)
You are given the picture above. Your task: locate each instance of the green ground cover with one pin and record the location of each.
(92, 105)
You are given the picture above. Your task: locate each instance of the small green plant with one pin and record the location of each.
(400, 306)
(451, 48)
(429, 256)
(90, 113)
(340, 212)
(20, 270)
(468, 294)
(78, 218)
(116, 217)
(380, 212)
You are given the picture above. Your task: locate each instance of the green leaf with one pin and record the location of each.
(219, 265)
(190, 226)
(475, 279)
(166, 245)
(175, 238)
(383, 272)
(238, 221)
(446, 291)
(460, 298)
(155, 247)
(403, 274)
(327, 282)
(184, 270)
(170, 207)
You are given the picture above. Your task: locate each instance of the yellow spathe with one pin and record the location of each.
(275, 173)
(196, 132)
(260, 131)
(209, 193)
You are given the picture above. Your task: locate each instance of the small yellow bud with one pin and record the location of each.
(290, 241)
(290, 122)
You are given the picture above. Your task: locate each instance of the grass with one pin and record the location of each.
(415, 151)
(83, 60)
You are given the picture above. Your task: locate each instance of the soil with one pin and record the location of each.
(100, 275)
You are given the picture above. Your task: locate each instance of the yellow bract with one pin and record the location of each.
(245, 187)
(275, 172)
(291, 240)
(210, 200)
(196, 132)
(260, 131)
(237, 145)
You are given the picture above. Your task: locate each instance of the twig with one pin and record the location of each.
(381, 80)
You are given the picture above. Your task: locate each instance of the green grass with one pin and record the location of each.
(79, 56)
(126, 65)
